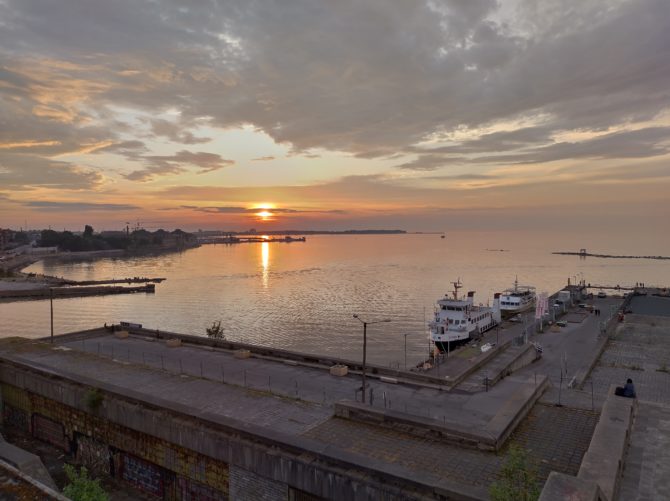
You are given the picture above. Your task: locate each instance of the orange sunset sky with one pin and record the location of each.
(427, 116)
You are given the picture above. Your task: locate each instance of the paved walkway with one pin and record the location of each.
(646, 473)
(299, 396)
(556, 438)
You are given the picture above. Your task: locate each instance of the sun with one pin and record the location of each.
(264, 211)
(264, 215)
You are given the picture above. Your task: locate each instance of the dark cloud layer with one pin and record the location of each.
(77, 206)
(362, 77)
(243, 210)
(175, 164)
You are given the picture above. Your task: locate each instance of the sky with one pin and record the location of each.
(304, 114)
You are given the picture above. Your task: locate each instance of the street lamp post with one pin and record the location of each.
(365, 344)
(406, 334)
(51, 301)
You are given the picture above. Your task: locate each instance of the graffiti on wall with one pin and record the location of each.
(144, 475)
(92, 454)
(190, 490)
(50, 431)
(15, 418)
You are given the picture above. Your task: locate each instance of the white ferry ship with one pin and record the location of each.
(459, 319)
(517, 299)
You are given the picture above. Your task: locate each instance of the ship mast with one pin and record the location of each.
(457, 285)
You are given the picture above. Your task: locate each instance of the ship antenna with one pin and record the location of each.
(457, 285)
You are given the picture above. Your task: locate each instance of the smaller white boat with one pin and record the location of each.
(518, 298)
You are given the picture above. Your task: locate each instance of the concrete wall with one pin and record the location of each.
(172, 451)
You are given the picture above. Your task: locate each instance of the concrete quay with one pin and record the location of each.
(176, 415)
(171, 396)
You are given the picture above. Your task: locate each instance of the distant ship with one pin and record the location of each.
(518, 298)
(458, 319)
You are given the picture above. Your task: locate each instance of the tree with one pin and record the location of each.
(215, 331)
(88, 231)
(518, 478)
(82, 488)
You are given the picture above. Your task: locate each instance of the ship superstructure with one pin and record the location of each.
(459, 319)
(518, 298)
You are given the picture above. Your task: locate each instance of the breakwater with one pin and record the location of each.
(60, 292)
(608, 256)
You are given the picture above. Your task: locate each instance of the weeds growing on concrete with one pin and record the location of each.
(93, 399)
(518, 478)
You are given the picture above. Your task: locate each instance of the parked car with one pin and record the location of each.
(562, 323)
(602, 294)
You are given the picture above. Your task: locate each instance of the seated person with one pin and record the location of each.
(627, 391)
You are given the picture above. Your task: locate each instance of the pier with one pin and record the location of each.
(132, 280)
(68, 292)
(246, 240)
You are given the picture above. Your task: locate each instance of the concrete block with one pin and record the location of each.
(560, 487)
(390, 380)
(173, 343)
(121, 334)
(242, 354)
(339, 370)
(290, 362)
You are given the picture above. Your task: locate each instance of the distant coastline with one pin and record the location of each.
(302, 232)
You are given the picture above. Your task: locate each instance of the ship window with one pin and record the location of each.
(444, 307)
(441, 330)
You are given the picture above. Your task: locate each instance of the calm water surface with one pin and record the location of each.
(301, 296)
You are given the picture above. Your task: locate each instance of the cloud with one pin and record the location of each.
(357, 76)
(47, 206)
(21, 172)
(429, 85)
(159, 165)
(244, 210)
(175, 132)
(263, 159)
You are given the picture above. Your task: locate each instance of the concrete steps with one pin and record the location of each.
(506, 362)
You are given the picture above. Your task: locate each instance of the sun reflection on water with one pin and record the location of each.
(265, 262)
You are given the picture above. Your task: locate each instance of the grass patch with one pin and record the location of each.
(467, 352)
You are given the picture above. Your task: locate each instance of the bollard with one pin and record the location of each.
(223, 375)
(162, 362)
(201, 372)
(245, 378)
(269, 383)
(128, 354)
(181, 369)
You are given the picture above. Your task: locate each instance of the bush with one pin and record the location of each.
(215, 331)
(82, 488)
(93, 399)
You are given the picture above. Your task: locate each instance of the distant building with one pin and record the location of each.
(5, 238)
